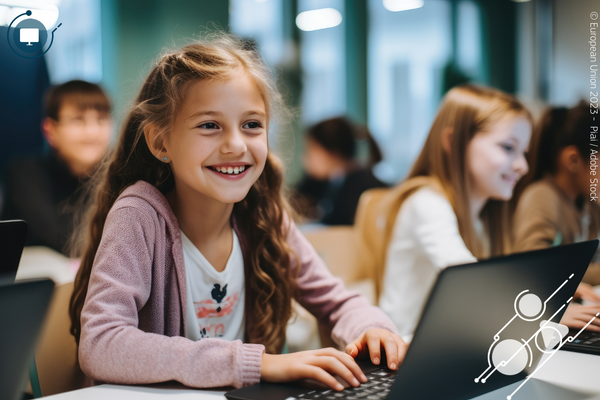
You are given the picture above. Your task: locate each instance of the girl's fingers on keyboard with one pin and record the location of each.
(373, 340)
(336, 367)
(319, 374)
(391, 351)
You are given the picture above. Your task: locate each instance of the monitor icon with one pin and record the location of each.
(29, 35)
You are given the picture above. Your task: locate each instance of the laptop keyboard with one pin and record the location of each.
(378, 387)
(588, 338)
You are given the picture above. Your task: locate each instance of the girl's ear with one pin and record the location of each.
(447, 139)
(571, 159)
(155, 143)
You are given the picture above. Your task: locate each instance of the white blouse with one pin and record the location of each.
(424, 241)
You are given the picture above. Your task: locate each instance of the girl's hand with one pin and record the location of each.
(577, 316)
(371, 342)
(314, 364)
(586, 292)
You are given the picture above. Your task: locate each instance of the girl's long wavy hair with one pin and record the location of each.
(260, 217)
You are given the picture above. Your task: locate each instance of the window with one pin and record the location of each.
(77, 49)
(323, 65)
(408, 52)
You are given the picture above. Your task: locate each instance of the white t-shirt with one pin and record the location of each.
(215, 300)
(424, 241)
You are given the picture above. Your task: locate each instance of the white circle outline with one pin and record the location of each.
(552, 351)
(524, 318)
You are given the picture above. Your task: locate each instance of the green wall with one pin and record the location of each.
(134, 32)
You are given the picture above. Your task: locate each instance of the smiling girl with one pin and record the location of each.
(190, 260)
(452, 209)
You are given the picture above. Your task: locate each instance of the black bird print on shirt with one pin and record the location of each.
(219, 294)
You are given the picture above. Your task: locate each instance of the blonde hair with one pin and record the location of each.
(270, 283)
(467, 110)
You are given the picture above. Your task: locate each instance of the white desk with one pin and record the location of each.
(572, 370)
(568, 370)
(118, 392)
(566, 376)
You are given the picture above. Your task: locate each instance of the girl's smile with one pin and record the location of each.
(231, 171)
(512, 180)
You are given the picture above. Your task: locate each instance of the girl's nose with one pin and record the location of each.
(520, 165)
(234, 143)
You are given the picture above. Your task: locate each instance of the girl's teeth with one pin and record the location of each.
(231, 170)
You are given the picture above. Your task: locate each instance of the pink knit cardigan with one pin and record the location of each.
(133, 319)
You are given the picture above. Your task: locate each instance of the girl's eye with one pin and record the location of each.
(208, 125)
(252, 125)
(507, 147)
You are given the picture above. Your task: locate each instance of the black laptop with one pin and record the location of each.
(22, 309)
(12, 240)
(587, 342)
(468, 340)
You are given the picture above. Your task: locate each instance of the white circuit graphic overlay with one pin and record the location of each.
(529, 308)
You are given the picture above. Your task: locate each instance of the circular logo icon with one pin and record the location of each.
(29, 37)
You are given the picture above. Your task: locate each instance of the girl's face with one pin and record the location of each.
(496, 158)
(218, 144)
(320, 163)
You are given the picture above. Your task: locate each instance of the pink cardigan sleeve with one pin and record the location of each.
(113, 349)
(325, 296)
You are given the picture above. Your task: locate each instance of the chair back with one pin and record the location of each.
(374, 223)
(369, 226)
(335, 245)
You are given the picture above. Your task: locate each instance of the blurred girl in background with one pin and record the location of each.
(335, 177)
(453, 207)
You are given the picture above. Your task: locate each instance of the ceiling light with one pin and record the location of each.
(318, 19)
(402, 5)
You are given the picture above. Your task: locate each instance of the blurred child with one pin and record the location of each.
(335, 178)
(45, 191)
(556, 208)
(191, 261)
(453, 207)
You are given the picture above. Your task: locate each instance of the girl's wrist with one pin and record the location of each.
(264, 364)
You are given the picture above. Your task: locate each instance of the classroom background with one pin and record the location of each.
(382, 63)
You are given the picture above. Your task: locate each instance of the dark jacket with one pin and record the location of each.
(43, 192)
(334, 202)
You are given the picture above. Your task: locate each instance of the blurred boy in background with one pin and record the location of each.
(45, 191)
